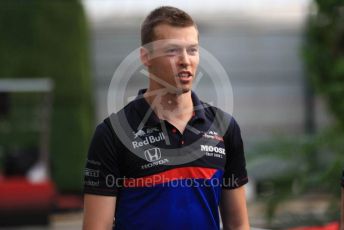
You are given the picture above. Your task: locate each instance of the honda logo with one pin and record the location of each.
(153, 154)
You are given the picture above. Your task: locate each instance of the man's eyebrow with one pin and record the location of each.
(179, 45)
(171, 44)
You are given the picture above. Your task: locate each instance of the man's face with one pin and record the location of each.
(174, 57)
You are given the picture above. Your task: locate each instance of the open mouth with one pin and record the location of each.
(184, 74)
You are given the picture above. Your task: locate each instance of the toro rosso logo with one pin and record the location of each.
(212, 135)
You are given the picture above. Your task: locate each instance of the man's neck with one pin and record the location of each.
(177, 109)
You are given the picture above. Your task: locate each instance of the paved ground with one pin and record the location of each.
(70, 221)
(310, 205)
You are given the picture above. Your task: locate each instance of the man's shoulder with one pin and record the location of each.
(223, 118)
(104, 128)
(129, 110)
(124, 119)
(213, 111)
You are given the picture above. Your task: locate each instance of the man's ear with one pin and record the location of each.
(144, 56)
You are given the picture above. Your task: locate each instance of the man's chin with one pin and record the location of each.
(186, 90)
(183, 90)
(179, 91)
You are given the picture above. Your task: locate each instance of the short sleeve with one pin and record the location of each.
(102, 174)
(235, 174)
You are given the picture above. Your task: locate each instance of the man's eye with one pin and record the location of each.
(172, 50)
(193, 50)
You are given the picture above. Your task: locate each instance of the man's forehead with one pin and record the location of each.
(165, 31)
(174, 43)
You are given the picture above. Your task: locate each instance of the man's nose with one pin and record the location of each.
(184, 59)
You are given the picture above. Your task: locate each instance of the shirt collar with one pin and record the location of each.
(146, 112)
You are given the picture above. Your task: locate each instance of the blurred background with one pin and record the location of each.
(285, 62)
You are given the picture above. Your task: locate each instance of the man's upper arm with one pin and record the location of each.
(98, 212)
(233, 209)
(235, 174)
(101, 182)
(102, 174)
(233, 200)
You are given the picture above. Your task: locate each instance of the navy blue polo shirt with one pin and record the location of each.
(164, 179)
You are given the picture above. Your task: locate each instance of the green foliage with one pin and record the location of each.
(313, 164)
(50, 39)
(22, 123)
(324, 53)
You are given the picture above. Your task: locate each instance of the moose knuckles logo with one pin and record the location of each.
(213, 151)
(209, 69)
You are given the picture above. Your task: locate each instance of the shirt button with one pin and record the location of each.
(174, 130)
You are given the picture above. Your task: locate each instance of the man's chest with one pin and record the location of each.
(152, 150)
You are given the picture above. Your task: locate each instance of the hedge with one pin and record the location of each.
(50, 39)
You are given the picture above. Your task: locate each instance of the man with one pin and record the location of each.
(169, 123)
